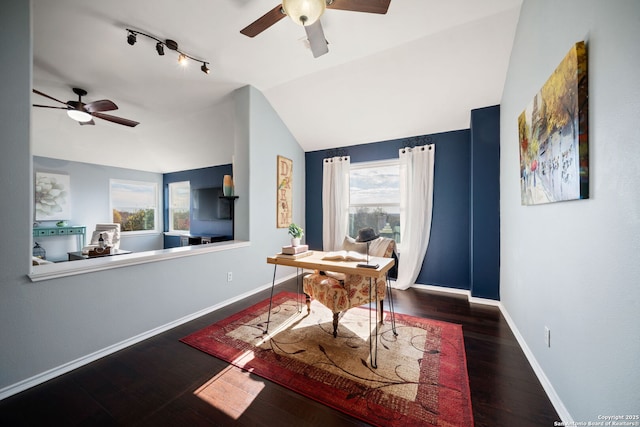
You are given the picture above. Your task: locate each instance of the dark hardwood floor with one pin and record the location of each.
(153, 382)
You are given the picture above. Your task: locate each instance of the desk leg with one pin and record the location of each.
(373, 354)
(273, 283)
(299, 288)
(391, 309)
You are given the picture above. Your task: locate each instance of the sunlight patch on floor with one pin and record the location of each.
(232, 391)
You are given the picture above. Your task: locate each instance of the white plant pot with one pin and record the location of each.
(295, 241)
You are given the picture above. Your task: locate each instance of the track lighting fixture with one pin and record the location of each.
(171, 45)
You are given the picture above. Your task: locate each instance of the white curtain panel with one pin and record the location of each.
(416, 205)
(335, 201)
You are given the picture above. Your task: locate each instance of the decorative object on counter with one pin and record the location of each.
(39, 252)
(99, 252)
(110, 233)
(62, 223)
(227, 186)
(296, 233)
(284, 197)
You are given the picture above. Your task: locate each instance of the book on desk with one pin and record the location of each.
(344, 256)
(294, 256)
(293, 250)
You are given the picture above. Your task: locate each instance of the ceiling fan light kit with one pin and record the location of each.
(171, 45)
(79, 115)
(307, 13)
(304, 12)
(84, 113)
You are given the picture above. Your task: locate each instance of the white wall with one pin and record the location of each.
(47, 324)
(575, 266)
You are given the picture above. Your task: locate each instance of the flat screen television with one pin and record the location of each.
(207, 204)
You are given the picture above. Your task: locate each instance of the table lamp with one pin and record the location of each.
(366, 235)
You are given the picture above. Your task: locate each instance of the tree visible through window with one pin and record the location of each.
(134, 204)
(375, 198)
(179, 205)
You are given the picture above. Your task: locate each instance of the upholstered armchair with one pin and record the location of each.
(339, 292)
(110, 233)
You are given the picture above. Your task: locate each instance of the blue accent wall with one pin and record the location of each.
(198, 178)
(448, 257)
(447, 260)
(485, 202)
(464, 247)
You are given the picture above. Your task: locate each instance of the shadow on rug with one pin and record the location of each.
(421, 377)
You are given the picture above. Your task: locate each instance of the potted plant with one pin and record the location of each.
(296, 233)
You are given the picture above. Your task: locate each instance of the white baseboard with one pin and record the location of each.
(84, 360)
(465, 292)
(562, 411)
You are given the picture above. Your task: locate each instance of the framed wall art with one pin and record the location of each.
(284, 198)
(52, 197)
(553, 135)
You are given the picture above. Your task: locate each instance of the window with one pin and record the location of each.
(375, 198)
(134, 204)
(179, 202)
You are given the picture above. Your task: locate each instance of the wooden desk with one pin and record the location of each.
(315, 262)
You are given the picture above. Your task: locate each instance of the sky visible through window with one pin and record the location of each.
(375, 185)
(132, 196)
(180, 194)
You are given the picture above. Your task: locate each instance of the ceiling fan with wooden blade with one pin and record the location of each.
(307, 13)
(84, 113)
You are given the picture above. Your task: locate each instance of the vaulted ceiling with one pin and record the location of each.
(416, 70)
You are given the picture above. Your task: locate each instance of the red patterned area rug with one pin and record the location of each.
(421, 378)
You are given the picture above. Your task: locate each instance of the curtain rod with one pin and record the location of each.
(416, 141)
(336, 152)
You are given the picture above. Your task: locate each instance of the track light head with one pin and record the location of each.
(160, 48)
(204, 68)
(171, 44)
(182, 59)
(131, 38)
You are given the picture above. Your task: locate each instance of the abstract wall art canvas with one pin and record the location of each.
(553, 135)
(284, 198)
(52, 197)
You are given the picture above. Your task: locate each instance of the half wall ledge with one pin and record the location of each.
(64, 269)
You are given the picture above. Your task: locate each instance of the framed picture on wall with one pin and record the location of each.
(284, 197)
(554, 135)
(52, 197)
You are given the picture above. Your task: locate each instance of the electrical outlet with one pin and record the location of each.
(547, 336)
(229, 276)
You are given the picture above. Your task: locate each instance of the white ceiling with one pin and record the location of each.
(417, 70)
